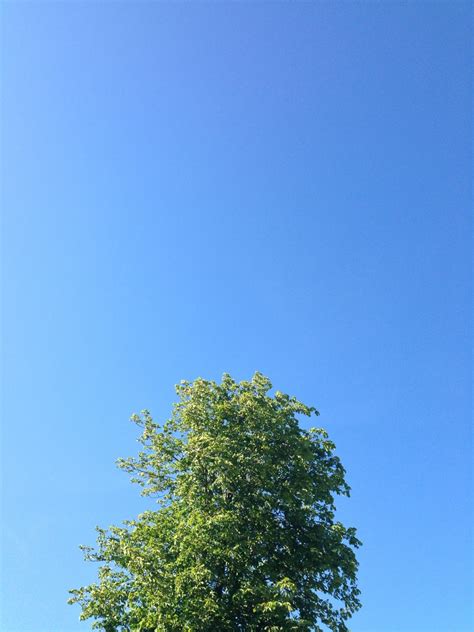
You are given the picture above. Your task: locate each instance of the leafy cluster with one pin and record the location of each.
(244, 535)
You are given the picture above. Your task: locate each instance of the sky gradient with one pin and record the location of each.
(197, 188)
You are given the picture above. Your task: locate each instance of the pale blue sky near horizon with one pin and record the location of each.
(190, 189)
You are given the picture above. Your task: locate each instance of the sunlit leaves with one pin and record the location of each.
(243, 536)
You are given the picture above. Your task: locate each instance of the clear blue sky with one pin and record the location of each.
(195, 188)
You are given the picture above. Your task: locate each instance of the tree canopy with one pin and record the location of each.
(243, 536)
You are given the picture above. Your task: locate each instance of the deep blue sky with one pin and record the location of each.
(190, 189)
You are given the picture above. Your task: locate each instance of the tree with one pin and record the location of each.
(244, 535)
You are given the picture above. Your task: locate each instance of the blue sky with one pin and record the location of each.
(194, 188)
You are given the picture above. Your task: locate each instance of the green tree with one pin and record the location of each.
(244, 535)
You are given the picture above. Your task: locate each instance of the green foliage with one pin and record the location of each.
(243, 537)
